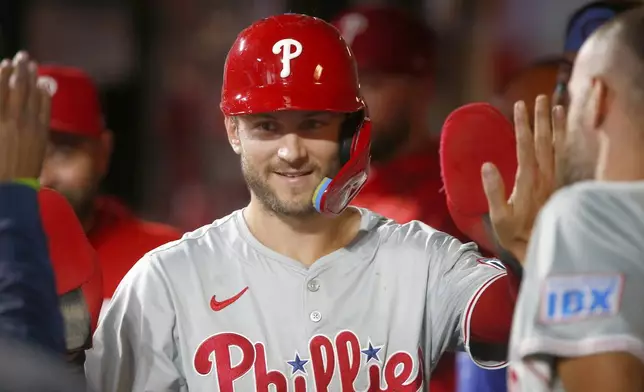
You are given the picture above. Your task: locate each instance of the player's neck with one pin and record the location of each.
(620, 163)
(303, 239)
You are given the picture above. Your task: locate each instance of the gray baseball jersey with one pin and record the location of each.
(582, 289)
(219, 311)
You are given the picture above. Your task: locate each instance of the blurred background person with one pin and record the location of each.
(77, 160)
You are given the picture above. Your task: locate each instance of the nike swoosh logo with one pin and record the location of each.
(219, 305)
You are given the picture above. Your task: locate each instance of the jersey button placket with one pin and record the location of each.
(314, 302)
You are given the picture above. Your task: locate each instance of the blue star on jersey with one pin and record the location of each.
(298, 364)
(372, 353)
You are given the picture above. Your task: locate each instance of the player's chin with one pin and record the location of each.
(298, 207)
(295, 196)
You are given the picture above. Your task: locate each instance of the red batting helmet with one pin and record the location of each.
(298, 62)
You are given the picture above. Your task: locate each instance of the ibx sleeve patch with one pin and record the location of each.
(567, 298)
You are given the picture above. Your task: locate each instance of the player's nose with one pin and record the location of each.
(292, 149)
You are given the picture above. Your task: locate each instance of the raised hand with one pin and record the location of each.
(512, 219)
(24, 119)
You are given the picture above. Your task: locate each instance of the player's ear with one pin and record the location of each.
(232, 129)
(598, 102)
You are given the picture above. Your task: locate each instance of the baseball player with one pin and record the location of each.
(77, 160)
(296, 292)
(579, 322)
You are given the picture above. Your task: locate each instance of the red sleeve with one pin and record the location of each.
(491, 315)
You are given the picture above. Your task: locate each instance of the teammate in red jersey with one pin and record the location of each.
(77, 160)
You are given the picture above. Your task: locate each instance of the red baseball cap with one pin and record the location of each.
(387, 39)
(75, 105)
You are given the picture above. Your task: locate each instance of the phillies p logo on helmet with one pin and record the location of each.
(286, 46)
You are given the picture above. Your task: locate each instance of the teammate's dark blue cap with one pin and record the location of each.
(589, 18)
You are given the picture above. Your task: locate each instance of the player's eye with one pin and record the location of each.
(312, 124)
(265, 126)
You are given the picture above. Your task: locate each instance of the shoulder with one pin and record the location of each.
(173, 260)
(388, 230)
(567, 202)
(413, 238)
(589, 226)
(596, 204)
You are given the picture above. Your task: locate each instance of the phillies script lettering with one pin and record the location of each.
(343, 355)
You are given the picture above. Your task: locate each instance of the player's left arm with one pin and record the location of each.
(471, 302)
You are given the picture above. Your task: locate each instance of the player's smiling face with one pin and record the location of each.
(285, 155)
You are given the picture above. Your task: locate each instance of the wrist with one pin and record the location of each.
(30, 182)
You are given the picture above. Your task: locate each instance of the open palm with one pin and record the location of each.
(24, 119)
(512, 219)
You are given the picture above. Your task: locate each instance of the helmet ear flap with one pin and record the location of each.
(349, 134)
